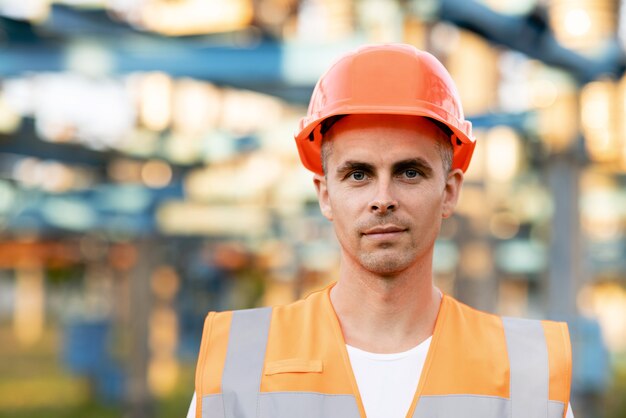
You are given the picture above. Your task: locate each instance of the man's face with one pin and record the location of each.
(386, 191)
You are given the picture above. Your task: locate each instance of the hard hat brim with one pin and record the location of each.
(309, 145)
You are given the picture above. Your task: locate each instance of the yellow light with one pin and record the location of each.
(584, 25)
(472, 56)
(577, 22)
(58, 177)
(183, 149)
(165, 282)
(244, 112)
(503, 153)
(27, 171)
(196, 219)
(163, 374)
(163, 331)
(608, 302)
(620, 108)
(155, 101)
(125, 170)
(33, 10)
(596, 105)
(557, 100)
(190, 17)
(246, 180)
(29, 313)
(504, 225)
(10, 120)
(543, 93)
(197, 106)
(156, 174)
(327, 20)
(598, 116)
(601, 214)
(472, 202)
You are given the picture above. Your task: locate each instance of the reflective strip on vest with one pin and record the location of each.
(241, 378)
(307, 405)
(315, 405)
(445, 406)
(213, 406)
(462, 406)
(530, 370)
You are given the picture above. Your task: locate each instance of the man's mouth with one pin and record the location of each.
(384, 231)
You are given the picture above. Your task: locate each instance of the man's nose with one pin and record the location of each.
(383, 201)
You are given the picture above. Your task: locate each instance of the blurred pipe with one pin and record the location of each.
(139, 399)
(532, 36)
(564, 270)
(518, 121)
(250, 61)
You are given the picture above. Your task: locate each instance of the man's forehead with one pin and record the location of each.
(384, 136)
(382, 151)
(420, 125)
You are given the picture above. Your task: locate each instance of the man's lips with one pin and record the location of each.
(383, 230)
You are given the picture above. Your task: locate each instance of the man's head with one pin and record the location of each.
(388, 142)
(386, 189)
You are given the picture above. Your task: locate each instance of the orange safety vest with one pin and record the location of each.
(291, 361)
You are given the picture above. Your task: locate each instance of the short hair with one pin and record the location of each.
(444, 144)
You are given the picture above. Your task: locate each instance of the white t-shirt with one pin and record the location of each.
(387, 382)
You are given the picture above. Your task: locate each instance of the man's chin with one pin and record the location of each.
(384, 265)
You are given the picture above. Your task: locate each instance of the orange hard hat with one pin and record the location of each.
(396, 79)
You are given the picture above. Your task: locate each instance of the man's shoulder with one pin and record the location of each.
(311, 301)
(303, 311)
(478, 323)
(458, 308)
(471, 312)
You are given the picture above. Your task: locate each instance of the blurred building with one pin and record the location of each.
(148, 175)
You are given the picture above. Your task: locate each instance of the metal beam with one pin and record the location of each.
(532, 36)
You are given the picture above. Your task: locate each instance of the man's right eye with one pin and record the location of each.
(357, 175)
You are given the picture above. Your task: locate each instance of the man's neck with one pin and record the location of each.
(386, 314)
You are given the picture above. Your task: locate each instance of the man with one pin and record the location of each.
(386, 138)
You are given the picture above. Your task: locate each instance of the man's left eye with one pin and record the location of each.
(411, 173)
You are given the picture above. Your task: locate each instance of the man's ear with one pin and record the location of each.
(451, 192)
(321, 188)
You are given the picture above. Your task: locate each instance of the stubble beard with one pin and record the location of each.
(385, 261)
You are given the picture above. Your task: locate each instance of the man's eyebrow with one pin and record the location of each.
(352, 165)
(418, 163)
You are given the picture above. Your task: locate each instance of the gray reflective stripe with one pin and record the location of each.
(556, 409)
(307, 405)
(466, 406)
(473, 406)
(530, 371)
(316, 405)
(241, 378)
(212, 406)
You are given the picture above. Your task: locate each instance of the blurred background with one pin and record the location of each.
(148, 175)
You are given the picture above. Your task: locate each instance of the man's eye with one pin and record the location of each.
(357, 175)
(411, 174)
